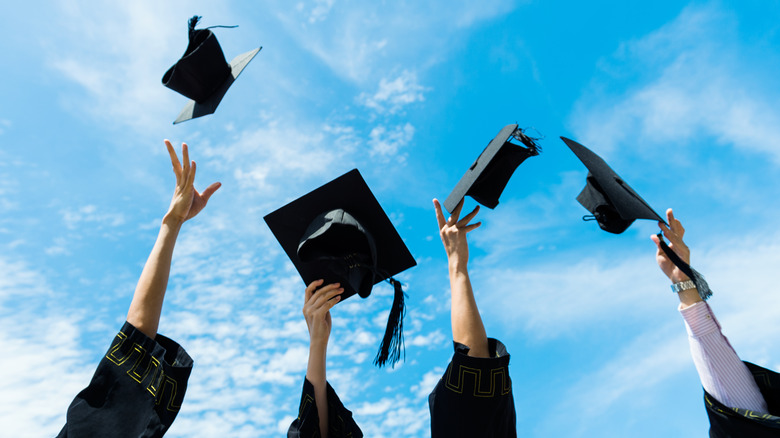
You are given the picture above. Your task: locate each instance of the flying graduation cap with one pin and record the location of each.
(202, 74)
(340, 233)
(615, 206)
(486, 179)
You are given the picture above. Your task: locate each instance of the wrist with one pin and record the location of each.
(172, 220)
(458, 266)
(678, 278)
(318, 347)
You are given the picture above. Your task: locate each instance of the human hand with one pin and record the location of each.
(186, 202)
(674, 233)
(453, 234)
(316, 309)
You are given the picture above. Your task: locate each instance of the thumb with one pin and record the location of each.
(210, 190)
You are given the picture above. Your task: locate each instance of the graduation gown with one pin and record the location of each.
(474, 397)
(307, 425)
(728, 422)
(136, 391)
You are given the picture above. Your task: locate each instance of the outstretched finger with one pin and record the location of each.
(439, 214)
(456, 213)
(185, 158)
(210, 191)
(466, 219)
(675, 223)
(667, 232)
(174, 159)
(191, 177)
(472, 227)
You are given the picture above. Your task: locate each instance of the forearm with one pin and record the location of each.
(722, 373)
(146, 306)
(315, 374)
(467, 327)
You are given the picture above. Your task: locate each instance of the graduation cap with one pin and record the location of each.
(202, 74)
(340, 233)
(612, 202)
(486, 179)
(615, 206)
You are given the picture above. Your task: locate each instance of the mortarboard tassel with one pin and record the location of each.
(527, 140)
(393, 341)
(694, 275)
(192, 22)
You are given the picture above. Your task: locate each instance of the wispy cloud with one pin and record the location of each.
(114, 64)
(695, 82)
(392, 95)
(75, 218)
(4, 125)
(38, 343)
(372, 41)
(387, 143)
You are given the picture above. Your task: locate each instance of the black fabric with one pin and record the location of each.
(201, 69)
(488, 176)
(136, 391)
(613, 203)
(340, 242)
(339, 233)
(489, 185)
(294, 226)
(307, 425)
(593, 198)
(474, 397)
(728, 422)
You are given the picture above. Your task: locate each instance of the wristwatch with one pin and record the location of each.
(683, 285)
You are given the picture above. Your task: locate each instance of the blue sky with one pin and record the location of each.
(681, 100)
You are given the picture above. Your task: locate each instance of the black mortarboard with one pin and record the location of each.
(615, 206)
(487, 177)
(202, 73)
(340, 233)
(613, 203)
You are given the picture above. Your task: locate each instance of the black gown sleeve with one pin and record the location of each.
(474, 396)
(307, 425)
(726, 422)
(136, 391)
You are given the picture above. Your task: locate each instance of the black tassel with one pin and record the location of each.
(694, 275)
(527, 140)
(193, 22)
(393, 342)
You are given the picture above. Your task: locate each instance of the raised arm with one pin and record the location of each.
(723, 375)
(467, 327)
(316, 309)
(146, 306)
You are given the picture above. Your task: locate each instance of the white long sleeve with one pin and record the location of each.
(722, 373)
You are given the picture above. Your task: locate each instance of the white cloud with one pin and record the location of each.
(428, 382)
(265, 159)
(393, 95)
(372, 40)
(39, 345)
(320, 10)
(113, 62)
(551, 299)
(430, 340)
(4, 124)
(387, 143)
(75, 218)
(695, 82)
